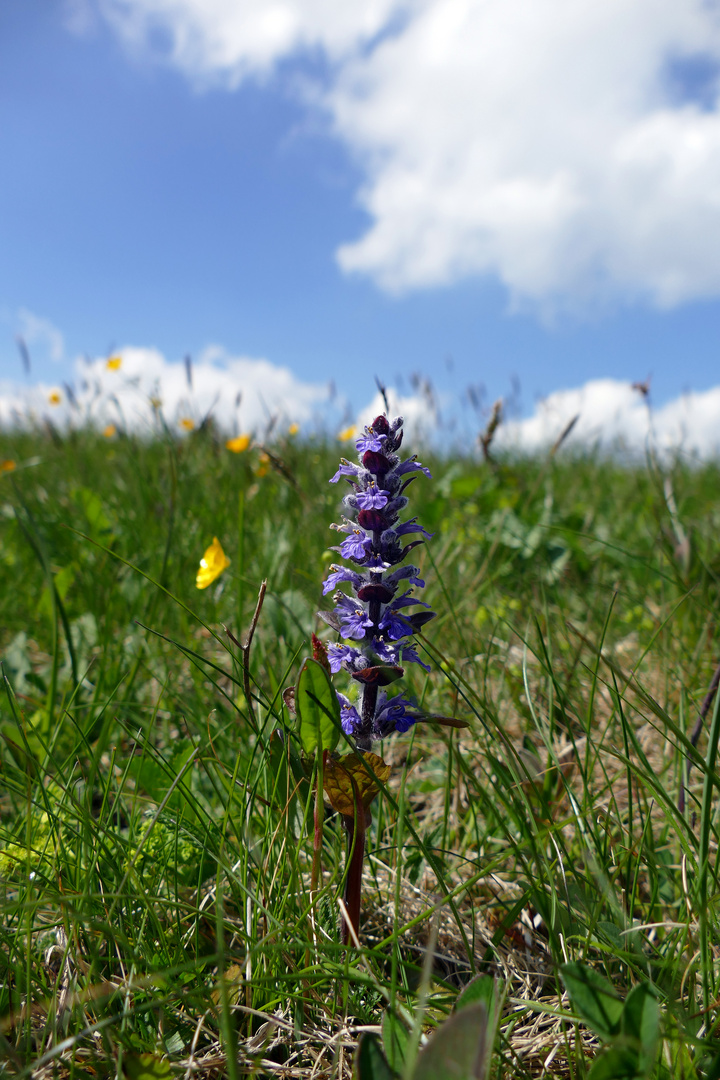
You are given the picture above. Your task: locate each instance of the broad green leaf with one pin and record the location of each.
(395, 1040)
(456, 1050)
(97, 519)
(640, 1022)
(318, 709)
(370, 1063)
(593, 998)
(349, 774)
(491, 992)
(617, 1063)
(146, 1067)
(482, 988)
(62, 581)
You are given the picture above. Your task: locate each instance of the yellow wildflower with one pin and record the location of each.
(114, 363)
(293, 429)
(238, 444)
(54, 398)
(347, 433)
(263, 464)
(187, 423)
(8, 465)
(109, 431)
(212, 564)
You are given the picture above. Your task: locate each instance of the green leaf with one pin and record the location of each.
(593, 998)
(370, 1063)
(481, 988)
(456, 1050)
(617, 1063)
(395, 1040)
(488, 990)
(62, 581)
(174, 1044)
(318, 709)
(97, 519)
(145, 1067)
(640, 1023)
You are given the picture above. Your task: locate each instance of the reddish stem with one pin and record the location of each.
(355, 828)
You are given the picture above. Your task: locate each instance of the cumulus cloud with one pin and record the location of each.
(567, 147)
(226, 41)
(614, 417)
(242, 394)
(540, 142)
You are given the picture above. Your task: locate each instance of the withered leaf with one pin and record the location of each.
(345, 776)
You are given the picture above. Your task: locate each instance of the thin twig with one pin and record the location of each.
(245, 649)
(563, 435)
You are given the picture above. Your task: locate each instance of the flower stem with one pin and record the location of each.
(354, 826)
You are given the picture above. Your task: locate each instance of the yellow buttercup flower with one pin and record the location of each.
(263, 464)
(54, 398)
(109, 431)
(347, 433)
(114, 363)
(8, 465)
(212, 564)
(293, 429)
(187, 423)
(238, 444)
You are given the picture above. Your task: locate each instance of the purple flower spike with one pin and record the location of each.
(373, 616)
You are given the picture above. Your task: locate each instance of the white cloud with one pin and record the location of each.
(548, 143)
(537, 141)
(242, 394)
(612, 416)
(225, 41)
(245, 395)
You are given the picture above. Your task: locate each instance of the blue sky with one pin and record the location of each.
(371, 189)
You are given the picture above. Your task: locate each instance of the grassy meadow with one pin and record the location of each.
(156, 836)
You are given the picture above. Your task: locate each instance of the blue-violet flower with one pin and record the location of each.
(372, 618)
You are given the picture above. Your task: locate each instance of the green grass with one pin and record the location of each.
(156, 841)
